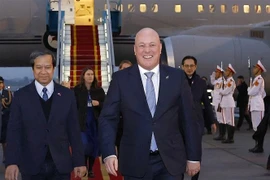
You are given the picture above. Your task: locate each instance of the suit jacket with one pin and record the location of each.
(29, 134)
(126, 95)
(242, 98)
(201, 102)
(81, 95)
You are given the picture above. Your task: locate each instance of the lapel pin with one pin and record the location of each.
(59, 94)
(167, 77)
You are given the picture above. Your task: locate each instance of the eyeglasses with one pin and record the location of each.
(189, 65)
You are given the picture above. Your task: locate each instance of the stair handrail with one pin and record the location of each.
(110, 39)
(60, 41)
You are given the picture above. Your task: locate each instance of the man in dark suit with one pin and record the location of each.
(5, 101)
(160, 136)
(43, 126)
(242, 103)
(200, 97)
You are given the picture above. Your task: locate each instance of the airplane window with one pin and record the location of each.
(246, 8)
(154, 8)
(267, 8)
(235, 8)
(143, 8)
(131, 8)
(112, 7)
(211, 8)
(223, 8)
(258, 9)
(120, 8)
(177, 8)
(200, 8)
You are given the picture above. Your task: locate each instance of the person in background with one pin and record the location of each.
(256, 94)
(227, 103)
(242, 103)
(89, 98)
(200, 96)
(42, 128)
(209, 90)
(6, 99)
(123, 65)
(160, 134)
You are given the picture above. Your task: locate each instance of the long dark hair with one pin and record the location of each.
(94, 84)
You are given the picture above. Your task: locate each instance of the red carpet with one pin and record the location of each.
(85, 52)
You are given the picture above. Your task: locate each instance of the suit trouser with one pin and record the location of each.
(156, 171)
(47, 172)
(242, 115)
(262, 129)
(228, 115)
(256, 117)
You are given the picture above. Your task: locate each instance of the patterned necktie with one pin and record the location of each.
(151, 101)
(45, 95)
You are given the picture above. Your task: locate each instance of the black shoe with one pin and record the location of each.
(258, 150)
(228, 141)
(91, 174)
(219, 138)
(252, 149)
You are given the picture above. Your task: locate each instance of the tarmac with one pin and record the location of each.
(226, 161)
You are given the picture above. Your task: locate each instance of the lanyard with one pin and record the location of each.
(89, 101)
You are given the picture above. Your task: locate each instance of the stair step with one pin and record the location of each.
(85, 63)
(81, 27)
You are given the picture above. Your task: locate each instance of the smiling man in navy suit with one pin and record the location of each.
(160, 137)
(43, 125)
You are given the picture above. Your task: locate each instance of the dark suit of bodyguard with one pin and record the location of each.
(43, 125)
(5, 100)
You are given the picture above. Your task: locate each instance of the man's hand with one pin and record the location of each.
(95, 103)
(111, 164)
(214, 128)
(80, 171)
(193, 168)
(12, 172)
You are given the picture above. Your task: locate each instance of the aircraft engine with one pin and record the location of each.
(212, 51)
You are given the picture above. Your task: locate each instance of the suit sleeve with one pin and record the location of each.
(101, 98)
(207, 106)
(109, 119)
(14, 133)
(192, 136)
(75, 135)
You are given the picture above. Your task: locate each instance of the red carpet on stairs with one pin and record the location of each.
(85, 52)
(100, 173)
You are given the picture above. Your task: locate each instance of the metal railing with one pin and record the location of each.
(109, 39)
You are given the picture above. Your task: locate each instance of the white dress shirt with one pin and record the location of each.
(50, 89)
(155, 79)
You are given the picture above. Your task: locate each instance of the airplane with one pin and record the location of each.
(213, 31)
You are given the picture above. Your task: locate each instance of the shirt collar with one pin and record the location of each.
(155, 70)
(39, 87)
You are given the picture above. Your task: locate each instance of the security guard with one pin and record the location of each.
(227, 103)
(217, 81)
(256, 94)
(6, 98)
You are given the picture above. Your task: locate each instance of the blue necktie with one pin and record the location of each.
(45, 95)
(151, 101)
